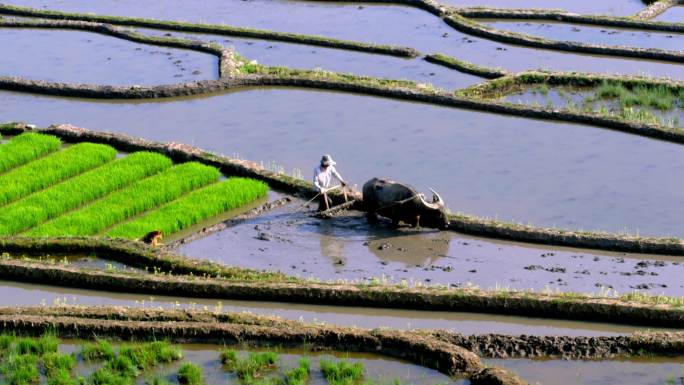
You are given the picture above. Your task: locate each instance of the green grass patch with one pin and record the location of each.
(51, 169)
(342, 372)
(300, 374)
(47, 343)
(124, 367)
(658, 97)
(49, 203)
(97, 351)
(193, 208)
(56, 364)
(250, 367)
(116, 207)
(25, 148)
(190, 374)
(20, 369)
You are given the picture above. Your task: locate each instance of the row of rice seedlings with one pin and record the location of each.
(125, 366)
(658, 97)
(193, 208)
(116, 207)
(47, 171)
(300, 374)
(21, 358)
(25, 148)
(73, 193)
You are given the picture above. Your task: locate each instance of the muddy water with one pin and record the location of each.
(593, 35)
(641, 371)
(386, 24)
(19, 294)
(307, 57)
(672, 15)
(491, 165)
(347, 248)
(83, 57)
(603, 7)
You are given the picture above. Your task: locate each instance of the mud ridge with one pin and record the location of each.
(559, 306)
(656, 8)
(466, 67)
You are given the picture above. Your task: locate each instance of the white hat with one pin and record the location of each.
(327, 160)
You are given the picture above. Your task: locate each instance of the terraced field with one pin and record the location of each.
(85, 190)
(552, 130)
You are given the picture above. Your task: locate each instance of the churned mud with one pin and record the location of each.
(274, 53)
(346, 247)
(383, 24)
(638, 371)
(593, 34)
(604, 7)
(20, 294)
(672, 15)
(83, 57)
(509, 168)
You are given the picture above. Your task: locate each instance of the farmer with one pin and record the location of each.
(323, 176)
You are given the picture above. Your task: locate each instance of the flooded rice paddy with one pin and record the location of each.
(23, 294)
(672, 15)
(84, 57)
(348, 248)
(300, 56)
(670, 41)
(589, 99)
(603, 7)
(638, 371)
(510, 168)
(207, 356)
(383, 24)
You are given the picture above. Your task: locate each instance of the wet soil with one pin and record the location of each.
(603, 7)
(19, 294)
(639, 371)
(274, 53)
(83, 57)
(348, 248)
(672, 15)
(385, 24)
(593, 34)
(538, 172)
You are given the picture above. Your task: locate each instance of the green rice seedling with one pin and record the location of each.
(55, 363)
(97, 351)
(47, 343)
(544, 89)
(193, 208)
(300, 374)
(123, 366)
(148, 355)
(6, 341)
(47, 171)
(20, 369)
(47, 204)
(342, 372)
(132, 200)
(64, 377)
(190, 374)
(107, 376)
(229, 357)
(250, 367)
(25, 148)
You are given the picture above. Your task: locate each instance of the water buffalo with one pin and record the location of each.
(402, 203)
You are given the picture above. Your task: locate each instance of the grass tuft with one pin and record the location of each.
(97, 351)
(300, 374)
(342, 372)
(190, 374)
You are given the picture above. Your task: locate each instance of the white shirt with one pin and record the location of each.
(323, 177)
